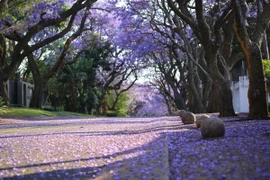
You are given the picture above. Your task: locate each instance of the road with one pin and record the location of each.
(95, 148)
(131, 148)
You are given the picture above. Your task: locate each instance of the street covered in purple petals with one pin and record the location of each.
(132, 148)
(243, 153)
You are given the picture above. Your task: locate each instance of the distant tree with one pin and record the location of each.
(207, 21)
(117, 80)
(147, 102)
(150, 30)
(124, 64)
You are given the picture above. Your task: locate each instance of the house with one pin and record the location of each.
(19, 92)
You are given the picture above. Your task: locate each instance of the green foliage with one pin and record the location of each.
(112, 113)
(266, 68)
(19, 5)
(122, 113)
(116, 113)
(52, 85)
(122, 105)
(3, 107)
(123, 102)
(77, 88)
(1, 102)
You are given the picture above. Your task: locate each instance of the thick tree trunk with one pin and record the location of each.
(38, 81)
(206, 93)
(36, 100)
(3, 79)
(103, 105)
(194, 90)
(257, 86)
(178, 100)
(226, 105)
(221, 99)
(3, 91)
(214, 99)
(74, 97)
(196, 99)
(222, 83)
(265, 48)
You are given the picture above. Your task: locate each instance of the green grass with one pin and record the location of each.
(116, 114)
(16, 112)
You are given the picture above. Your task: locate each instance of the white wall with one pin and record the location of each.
(240, 91)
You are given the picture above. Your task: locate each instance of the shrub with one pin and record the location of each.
(3, 107)
(116, 114)
(122, 105)
(121, 113)
(112, 113)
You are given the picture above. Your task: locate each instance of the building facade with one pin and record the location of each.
(20, 93)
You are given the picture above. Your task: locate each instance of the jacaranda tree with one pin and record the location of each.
(40, 18)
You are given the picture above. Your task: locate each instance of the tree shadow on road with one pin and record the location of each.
(147, 159)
